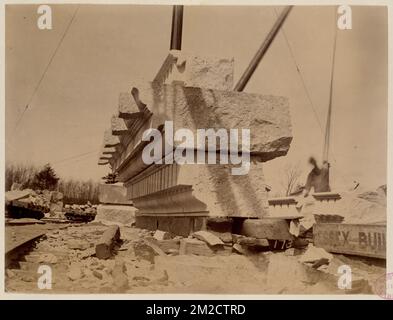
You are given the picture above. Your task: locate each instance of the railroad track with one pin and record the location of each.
(24, 256)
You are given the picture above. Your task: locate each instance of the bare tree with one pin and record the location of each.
(292, 174)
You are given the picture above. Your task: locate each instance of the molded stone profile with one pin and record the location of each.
(110, 140)
(109, 150)
(102, 162)
(118, 126)
(105, 156)
(199, 189)
(128, 109)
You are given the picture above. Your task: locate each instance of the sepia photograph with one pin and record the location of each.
(196, 149)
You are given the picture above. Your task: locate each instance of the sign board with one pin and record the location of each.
(354, 239)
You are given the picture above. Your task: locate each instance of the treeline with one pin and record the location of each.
(78, 192)
(74, 191)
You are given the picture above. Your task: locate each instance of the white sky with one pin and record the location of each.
(108, 46)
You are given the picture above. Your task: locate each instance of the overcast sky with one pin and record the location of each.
(108, 46)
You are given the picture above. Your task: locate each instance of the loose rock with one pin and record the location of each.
(208, 237)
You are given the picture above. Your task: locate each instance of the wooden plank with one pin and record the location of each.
(354, 239)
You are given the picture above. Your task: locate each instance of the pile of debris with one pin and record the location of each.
(27, 203)
(99, 259)
(80, 212)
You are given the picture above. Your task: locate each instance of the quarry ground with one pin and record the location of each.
(137, 268)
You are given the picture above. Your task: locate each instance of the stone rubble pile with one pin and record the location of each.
(35, 202)
(144, 261)
(80, 212)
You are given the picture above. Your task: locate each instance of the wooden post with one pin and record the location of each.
(262, 50)
(177, 28)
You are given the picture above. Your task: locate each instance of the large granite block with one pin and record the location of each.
(115, 214)
(113, 194)
(199, 189)
(267, 117)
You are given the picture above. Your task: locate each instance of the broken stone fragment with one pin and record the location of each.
(87, 253)
(120, 279)
(144, 251)
(75, 271)
(306, 225)
(294, 227)
(140, 278)
(196, 247)
(225, 237)
(77, 244)
(208, 237)
(316, 256)
(168, 246)
(155, 247)
(162, 235)
(107, 241)
(28, 278)
(241, 249)
(17, 194)
(300, 243)
(286, 273)
(97, 274)
(254, 242)
(47, 258)
(293, 252)
(173, 252)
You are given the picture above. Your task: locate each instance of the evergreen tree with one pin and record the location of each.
(110, 178)
(46, 178)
